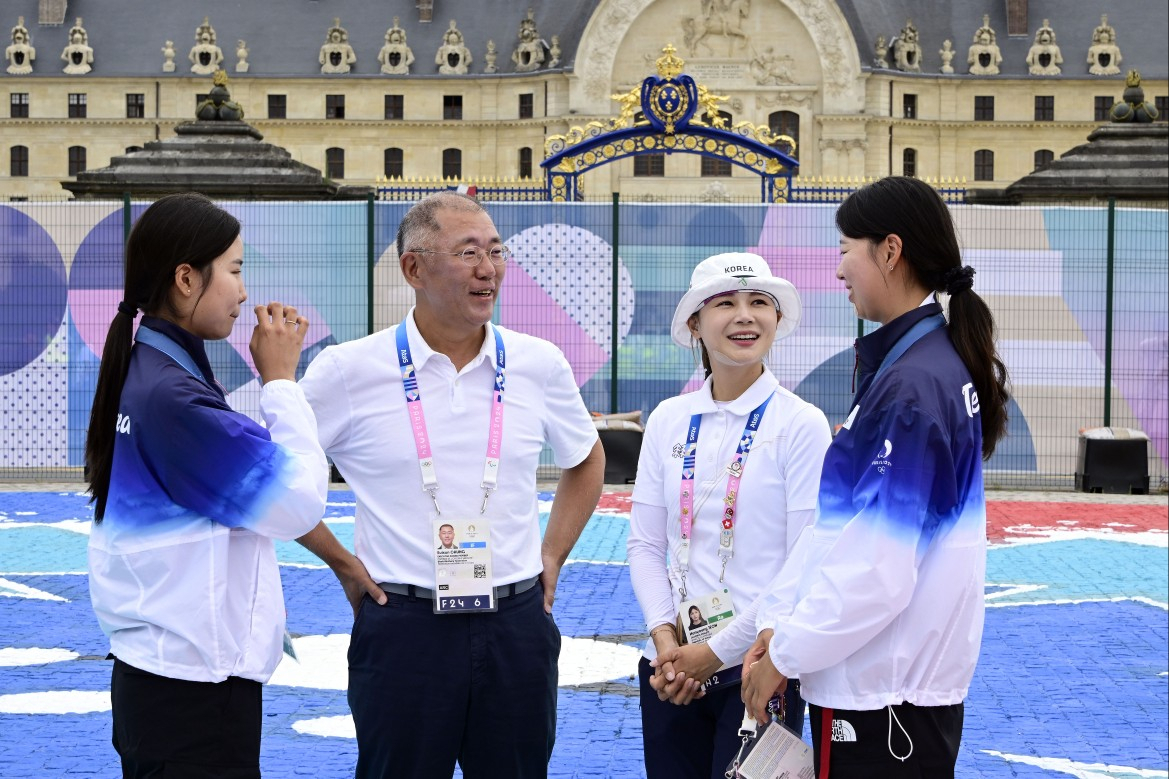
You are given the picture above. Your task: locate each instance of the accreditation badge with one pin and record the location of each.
(700, 619)
(462, 566)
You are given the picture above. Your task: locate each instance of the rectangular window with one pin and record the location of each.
(19, 109)
(526, 162)
(909, 106)
(452, 106)
(76, 160)
(18, 161)
(199, 99)
(909, 163)
(1103, 107)
(984, 108)
(335, 163)
(649, 165)
(77, 105)
(395, 107)
(135, 105)
(715, 168)
(1162, 104)
(1045, 108)
(526, 106)
(1043, 157)
(334, 106)
(277, 106)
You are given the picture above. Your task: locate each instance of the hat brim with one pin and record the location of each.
(781, 289)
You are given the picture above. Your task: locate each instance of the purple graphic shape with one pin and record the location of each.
(32, 290)
(523, 300)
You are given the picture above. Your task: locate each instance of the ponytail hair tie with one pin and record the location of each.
(958, 279)
(127, 309)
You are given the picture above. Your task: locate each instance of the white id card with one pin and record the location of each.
(462, 566)
(777, 753)
(701, 618)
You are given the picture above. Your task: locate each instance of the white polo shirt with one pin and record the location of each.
(356, 392)
(777, 499)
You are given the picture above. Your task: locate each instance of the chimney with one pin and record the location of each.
(1017, 17)
(52, 13)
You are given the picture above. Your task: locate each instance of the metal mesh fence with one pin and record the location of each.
(1078, 294)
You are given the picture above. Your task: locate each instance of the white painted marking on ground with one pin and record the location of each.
(323, 662)
(14, 656)
(1075, 601)
(1014, 589)
(56, 702)
(329, 727)
(1082, 770)
(11, 589)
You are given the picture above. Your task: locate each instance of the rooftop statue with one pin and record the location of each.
(530, 53)
(453, 57)
(336, 54)
(78, 55)
(395, 56)
(984, 56)
(1044, 58)
(1104, 55)
(20, 54)
(907, 49)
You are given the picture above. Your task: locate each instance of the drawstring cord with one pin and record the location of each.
(892, 719)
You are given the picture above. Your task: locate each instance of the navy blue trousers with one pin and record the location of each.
(428, 690)
(698, 741)
(170, 728)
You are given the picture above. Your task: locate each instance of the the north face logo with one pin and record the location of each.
(842, 730)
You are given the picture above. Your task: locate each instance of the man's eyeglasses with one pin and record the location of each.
(473, 255)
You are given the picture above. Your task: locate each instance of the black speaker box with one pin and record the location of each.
(1117, 465)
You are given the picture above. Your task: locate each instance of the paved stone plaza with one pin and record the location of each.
(1072, 679)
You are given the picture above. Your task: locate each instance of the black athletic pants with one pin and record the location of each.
(174, 729)
(867, 744)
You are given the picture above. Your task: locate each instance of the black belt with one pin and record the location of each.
(502, 591)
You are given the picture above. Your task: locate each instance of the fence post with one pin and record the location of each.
(616, 330)
(370, 259)
(1108, 312)
(125, 221)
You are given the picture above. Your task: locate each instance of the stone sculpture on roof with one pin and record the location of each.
(881, 50)
(168, 57)
(947, 54)
(20, 54)
(336, 54)
(453, 57)
(395, 56)
(554, 52)
(78, 55)
(241, 54)
(205, 56)
(490, 57)
(984, 56)
(1104, 55)
(530, 53)
(1044, 59)
(907, 49)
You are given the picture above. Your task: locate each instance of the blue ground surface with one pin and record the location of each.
(1072, 674)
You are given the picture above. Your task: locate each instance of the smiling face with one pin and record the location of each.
(695, 615)
(460, 296)
(215, 302)
(737, 328)
(862, 274)
(446, 534)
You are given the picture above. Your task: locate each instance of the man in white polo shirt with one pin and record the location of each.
(439, 421)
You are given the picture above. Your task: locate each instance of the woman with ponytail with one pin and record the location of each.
(188, 496)
(879, 612)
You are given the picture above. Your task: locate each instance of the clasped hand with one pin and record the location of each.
(680, 672)
(762, 681)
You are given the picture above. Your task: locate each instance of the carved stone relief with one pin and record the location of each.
(984, 56)
(205, 56)
(1044, 59)
(78, 55)
(20, 54)
(395, 57)
(772, 69)
(717, 19)
(1104, 55)
(453, 57)
(336, 55)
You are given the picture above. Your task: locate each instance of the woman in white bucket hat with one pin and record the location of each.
(726, 481)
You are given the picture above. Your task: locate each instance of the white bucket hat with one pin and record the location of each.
(735, 272)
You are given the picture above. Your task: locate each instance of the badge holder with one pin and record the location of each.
(772, 750)
(462, 566)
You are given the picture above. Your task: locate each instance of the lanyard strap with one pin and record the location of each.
(418, 419)
(912, 336)
(726, 541)
(171, 349)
